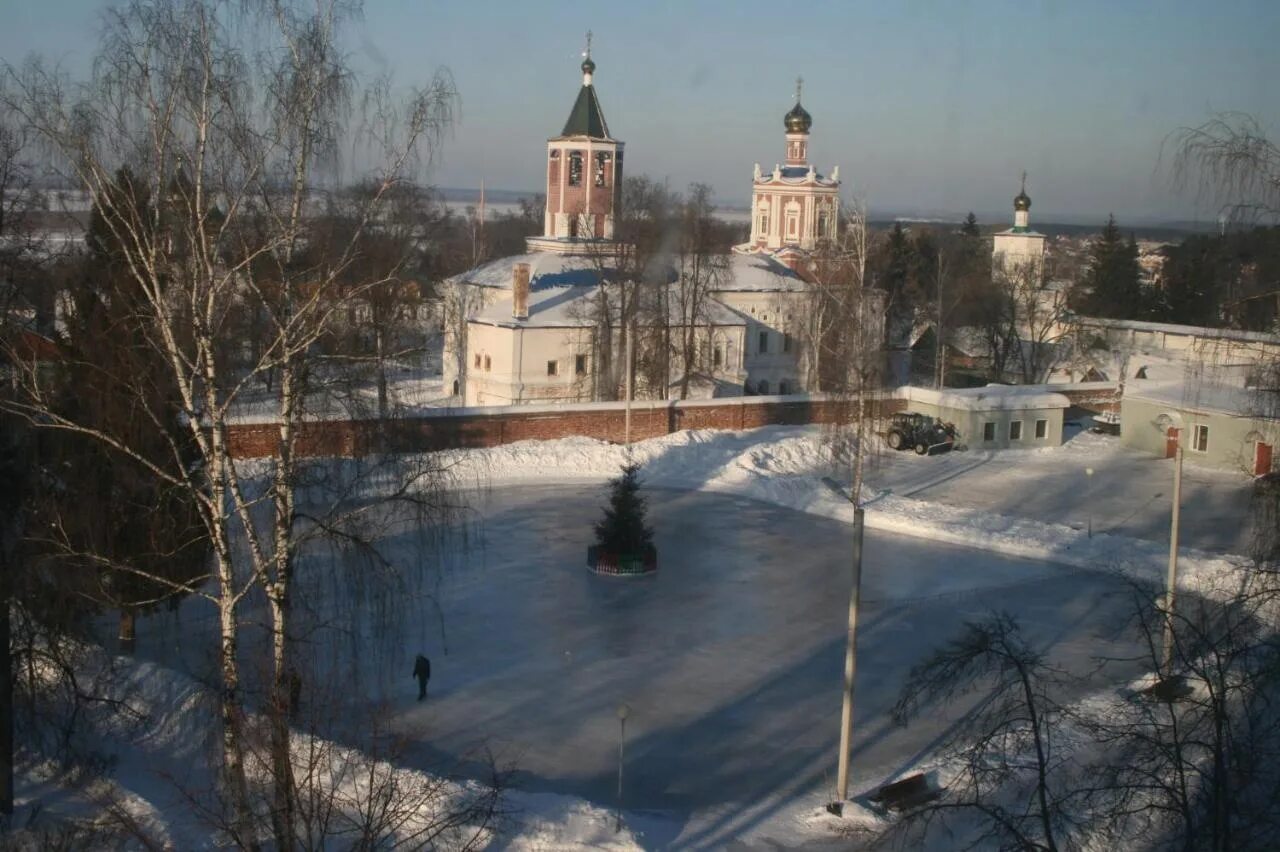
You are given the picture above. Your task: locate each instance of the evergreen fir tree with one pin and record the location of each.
(623, 529)
(970, 226)
(1113, 281)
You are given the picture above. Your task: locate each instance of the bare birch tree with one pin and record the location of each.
(229, 143)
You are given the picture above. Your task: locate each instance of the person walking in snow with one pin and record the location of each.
(422, 671)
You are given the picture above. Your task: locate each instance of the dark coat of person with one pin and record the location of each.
(422, 671)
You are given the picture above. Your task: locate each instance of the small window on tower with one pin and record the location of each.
(602, 167)
(553, 368)
(764, 224)
(718, 357)
(555, 153)
(575, 168)
(580, 365)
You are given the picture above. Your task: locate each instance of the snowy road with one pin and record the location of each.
(730, 658)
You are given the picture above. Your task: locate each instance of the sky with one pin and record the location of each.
(928, 106)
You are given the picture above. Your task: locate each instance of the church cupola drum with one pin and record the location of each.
(584, 176)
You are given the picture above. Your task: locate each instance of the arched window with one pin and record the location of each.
(575, 168)
(763, 388)
(782, 387)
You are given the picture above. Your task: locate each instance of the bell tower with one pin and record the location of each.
(794, 208)
(584, 177)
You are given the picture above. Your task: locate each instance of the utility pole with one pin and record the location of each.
(623, 712)
(850, 659)
(941, 369)
(1171, 584)
(627, 367)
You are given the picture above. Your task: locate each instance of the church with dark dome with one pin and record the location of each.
(794, 208)
(533, 328)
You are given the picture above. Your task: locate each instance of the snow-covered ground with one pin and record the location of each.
(730, 657)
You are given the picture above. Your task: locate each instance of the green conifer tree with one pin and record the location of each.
(623, 529)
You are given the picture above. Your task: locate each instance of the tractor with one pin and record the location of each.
(925, 434)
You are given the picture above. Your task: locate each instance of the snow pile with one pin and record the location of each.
(159, 752)
(785, 466)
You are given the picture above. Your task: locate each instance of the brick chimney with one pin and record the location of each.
(520, 291)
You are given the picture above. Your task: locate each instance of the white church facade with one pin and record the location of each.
(532, 329)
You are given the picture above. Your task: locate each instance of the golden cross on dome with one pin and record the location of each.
(1024, 181)
(587, 54)
(799, 86)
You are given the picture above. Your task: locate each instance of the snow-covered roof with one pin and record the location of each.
(747, 272)
(549, 307)
(547, 270)
(989, 398)
(1206, 396)
(759, 273)
(574, 307)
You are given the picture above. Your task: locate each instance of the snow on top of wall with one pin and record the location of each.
(1183, 330)
(989, 398)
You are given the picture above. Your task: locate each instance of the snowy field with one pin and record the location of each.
(730, 657)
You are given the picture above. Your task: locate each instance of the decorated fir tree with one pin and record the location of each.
(623, 531)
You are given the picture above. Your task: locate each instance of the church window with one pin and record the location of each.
(793, 223)
(555, 153)
(575, 168)
(764, 342)
(718, 357)
(573, 226)
(477, 360)
(786, 343)
(764, 224)
(782, 387)
(602, 163)
(762, 388)
(824, 224)
(580, 365)
(553, 368)
(487, 363)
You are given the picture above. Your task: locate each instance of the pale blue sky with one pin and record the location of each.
(927, 105)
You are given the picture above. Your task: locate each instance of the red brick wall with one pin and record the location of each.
(477, 428)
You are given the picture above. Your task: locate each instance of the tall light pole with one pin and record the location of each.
(623, 712)
(627, 358)
(850, 661)
(1171, 583)
(1088, 496)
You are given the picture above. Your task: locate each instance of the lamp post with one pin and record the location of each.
(623, 712)
(1088, 496)
(1171, 582)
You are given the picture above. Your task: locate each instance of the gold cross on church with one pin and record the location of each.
(799, 86)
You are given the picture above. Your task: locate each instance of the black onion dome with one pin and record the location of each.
(588, 67)
(798, 120)
(1022, 201)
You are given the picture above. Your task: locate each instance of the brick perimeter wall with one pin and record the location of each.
(472, 428)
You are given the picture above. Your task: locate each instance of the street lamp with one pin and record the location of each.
(1088, 496)
(623, 712)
